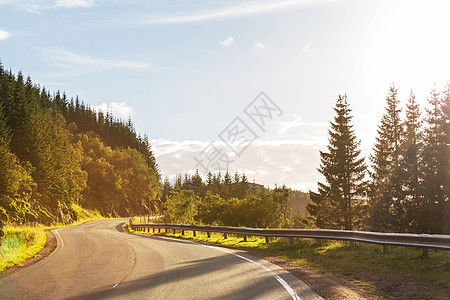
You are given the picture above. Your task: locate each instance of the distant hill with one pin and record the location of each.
(299, 200)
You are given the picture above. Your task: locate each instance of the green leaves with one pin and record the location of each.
(49, 142)
(339, 201)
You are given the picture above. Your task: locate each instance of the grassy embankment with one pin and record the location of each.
(22, 242)
(400, 273)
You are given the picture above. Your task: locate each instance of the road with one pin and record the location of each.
(97, 260)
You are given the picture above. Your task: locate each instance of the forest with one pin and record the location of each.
(404, 185)
(230, 200)
(57, 152)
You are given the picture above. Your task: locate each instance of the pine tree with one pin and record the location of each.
(412, 145)
(226, 186)
(446, 113)
(339, 202)
(5, 138)
(386, 196)
(434, 207)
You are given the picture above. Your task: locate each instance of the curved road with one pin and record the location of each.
(98, 260)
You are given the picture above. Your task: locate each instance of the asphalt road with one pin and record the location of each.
(97, 260)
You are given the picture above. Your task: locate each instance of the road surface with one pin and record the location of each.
(97, 260)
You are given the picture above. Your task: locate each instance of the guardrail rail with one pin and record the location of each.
(423, 241)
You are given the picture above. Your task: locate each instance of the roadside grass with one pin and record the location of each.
(364, 264)
(20, 243)
(23, 242)
(82, 216)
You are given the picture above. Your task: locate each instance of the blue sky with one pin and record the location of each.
(183, 70)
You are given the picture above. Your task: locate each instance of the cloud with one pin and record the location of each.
(37, 6)
(121, 109)
(307, 48)
(261, 161)
(248, 9)
(259, 45)
(74, 3)
(67, 59)
(227, 42)
(4, 35)
(297, 122)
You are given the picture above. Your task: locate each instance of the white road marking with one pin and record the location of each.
(62, 242)
(116, 285)
(286, 286)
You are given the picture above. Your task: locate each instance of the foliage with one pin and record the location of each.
(339, 202)
(56, 153)
(386, 194)
(269, 208)
(20, 243)
(409, 173)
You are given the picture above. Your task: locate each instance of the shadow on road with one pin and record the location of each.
(224, 265)
(120, 227)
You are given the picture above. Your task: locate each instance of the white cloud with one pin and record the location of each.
(297, 122)
(67, 59)
(252, 8)
(37, 6)
(4, 35)
(121, 109)
(227, 42)
(74, 3)
(307, 48)
(259, 45)
(261, 161)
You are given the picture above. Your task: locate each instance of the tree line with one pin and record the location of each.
(227, 200)
(55, 152)
(405, 185)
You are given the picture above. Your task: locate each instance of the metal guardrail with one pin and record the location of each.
(143, 219)
(424, 241)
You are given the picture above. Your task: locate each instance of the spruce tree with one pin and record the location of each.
(339, 201)
(5, 138)
(446, 114)
(412, 145)
(386, 196)
(434, 207)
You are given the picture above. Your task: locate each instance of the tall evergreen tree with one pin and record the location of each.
(386, 196)
(339, 202)
(446, 124)
(412, 145)
(434, 207)
(5, 138)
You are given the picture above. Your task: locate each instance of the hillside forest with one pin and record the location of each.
(57, 152)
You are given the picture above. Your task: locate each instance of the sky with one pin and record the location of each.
(190, 73)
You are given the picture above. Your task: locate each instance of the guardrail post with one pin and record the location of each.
(267, 239)
(208, 234)
(319, 242)
(153, 230)
(424, 252)
(174, 231)
(385, 249)
(245, 237)
(182, 231)
(291, 240)
(194, 233)
(225, 236)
